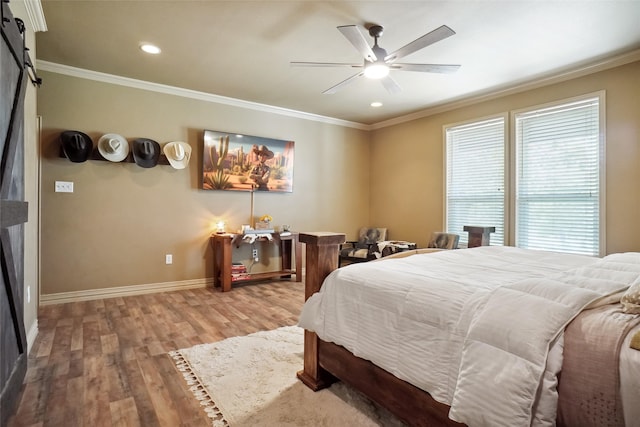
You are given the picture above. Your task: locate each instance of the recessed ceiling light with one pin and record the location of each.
(149, 48)
(376, 104)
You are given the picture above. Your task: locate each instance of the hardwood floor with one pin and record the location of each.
(105, 363)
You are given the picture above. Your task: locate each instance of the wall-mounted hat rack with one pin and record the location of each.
(78, 147)
(95, 155)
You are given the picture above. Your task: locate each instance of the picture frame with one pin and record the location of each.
(239, 162)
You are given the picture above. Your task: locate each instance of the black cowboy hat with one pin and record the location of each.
(146, 152)
(77, 146)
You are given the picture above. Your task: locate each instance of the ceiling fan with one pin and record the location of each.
(377, 63)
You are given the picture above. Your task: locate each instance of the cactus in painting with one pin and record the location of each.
(219, 180)
(241, 157)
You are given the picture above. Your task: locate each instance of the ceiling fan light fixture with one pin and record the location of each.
(376, 70)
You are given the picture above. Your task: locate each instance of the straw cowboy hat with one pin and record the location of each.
(146, 152)
(77, 146)
(263, 150)
(178, 153)
(113, 147)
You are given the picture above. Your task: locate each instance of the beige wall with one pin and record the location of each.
(407, 160)
(116, 227)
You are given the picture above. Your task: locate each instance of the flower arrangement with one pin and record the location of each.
(264, 222)
(266, 218)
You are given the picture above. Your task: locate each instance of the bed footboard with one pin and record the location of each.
(325, 362)
(322, 249)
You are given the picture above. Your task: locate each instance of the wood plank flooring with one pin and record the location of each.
(105, 363)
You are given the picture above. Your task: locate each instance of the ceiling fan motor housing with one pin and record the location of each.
(379, 52)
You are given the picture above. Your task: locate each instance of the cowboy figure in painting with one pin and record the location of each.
(261, 172)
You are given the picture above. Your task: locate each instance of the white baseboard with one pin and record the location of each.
(32, 335)
(122, 291)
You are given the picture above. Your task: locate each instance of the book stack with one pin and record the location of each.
(238, 272)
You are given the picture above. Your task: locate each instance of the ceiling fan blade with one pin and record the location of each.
(355, 37)
(334, 89)
(436, 35)
(426, 68)
(324, 64)
(391, 85)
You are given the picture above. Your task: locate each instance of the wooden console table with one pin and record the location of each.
(222, 248)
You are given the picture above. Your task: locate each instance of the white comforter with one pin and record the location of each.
(473, 327)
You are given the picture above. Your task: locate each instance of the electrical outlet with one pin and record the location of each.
(254, 253)
(64, 187)
(168, 259)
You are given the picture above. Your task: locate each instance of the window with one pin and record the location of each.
(558, 178)
(475, 177)
(556, 175)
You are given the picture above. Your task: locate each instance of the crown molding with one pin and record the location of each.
(188, 93)
(36, 15)
(494, 93)
(604, 64)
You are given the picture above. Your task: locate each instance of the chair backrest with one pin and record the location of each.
(444, 240)
(369, 235)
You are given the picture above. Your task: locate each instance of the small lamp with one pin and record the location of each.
(220, 227)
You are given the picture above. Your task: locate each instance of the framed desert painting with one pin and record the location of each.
(239, 162)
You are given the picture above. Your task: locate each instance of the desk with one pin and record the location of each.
(222, 248)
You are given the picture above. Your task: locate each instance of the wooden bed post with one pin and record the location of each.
(321, 259)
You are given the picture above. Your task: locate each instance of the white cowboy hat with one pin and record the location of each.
(113, 147)
(178, 153)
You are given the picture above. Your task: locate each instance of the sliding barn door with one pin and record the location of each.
(13, 213)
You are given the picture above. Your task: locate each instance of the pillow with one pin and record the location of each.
(631, 299)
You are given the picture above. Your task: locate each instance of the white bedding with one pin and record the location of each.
(443, 321)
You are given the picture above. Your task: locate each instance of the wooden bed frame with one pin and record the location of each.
(325, 362)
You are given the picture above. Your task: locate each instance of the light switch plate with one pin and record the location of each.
(64, 187)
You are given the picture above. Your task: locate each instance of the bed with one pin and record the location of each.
(458, 336)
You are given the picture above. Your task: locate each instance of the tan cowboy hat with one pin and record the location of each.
(178, 153)
(113, 147)
(263, 150)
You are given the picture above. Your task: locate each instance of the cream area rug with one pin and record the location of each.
(251, 381)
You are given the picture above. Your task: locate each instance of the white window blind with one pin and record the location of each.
(475, 178)
(558, 178)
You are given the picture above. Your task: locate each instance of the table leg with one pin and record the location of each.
(298, 254)
(217, 256)
(285, 256)
(226, 265)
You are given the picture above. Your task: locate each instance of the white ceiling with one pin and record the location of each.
(242, 49)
